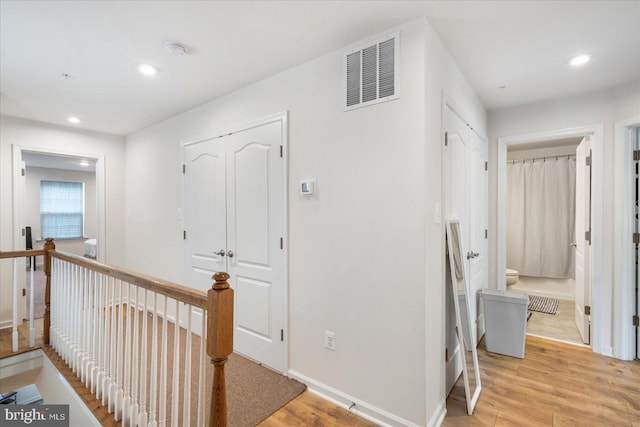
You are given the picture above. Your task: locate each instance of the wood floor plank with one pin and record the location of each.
(556, 384)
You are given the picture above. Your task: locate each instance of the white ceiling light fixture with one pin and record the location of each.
(73, 119)
(147, 70)
(579, 60)
(84, 163)
(175, 49)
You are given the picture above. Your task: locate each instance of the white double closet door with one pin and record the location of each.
(234, 222)
(466, 181)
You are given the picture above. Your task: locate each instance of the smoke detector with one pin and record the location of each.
(175, 49)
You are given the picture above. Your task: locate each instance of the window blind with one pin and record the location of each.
(62, 209)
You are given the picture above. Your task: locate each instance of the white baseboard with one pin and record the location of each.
(361, 408)
(438, 416)
(5, 324)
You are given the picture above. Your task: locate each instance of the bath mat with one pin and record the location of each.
(543, 304)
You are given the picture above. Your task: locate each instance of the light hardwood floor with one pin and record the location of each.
(555, 384)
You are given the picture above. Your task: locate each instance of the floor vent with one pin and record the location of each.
(371, 72)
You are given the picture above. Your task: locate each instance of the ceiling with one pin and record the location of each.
(523, 45)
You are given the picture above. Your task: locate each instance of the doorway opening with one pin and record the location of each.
(626, 338)
(30, 167)
(586, 308)
(541, 233)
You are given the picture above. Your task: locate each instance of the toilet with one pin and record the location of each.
(512, 277)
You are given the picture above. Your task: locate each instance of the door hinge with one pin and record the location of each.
(636, 238)
(446, 354)
(587, 236)
(184, 168)
(24, 292)
(281, 243)
(486, 166)
(636, 155)
(636, 321)
(446, 139)
(23, 172)
(281, 151)
(486, 233)
(588, 160)
(281, 334)
(184, 234)
(587, 310)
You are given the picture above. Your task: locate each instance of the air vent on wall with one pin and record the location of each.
(371, 72)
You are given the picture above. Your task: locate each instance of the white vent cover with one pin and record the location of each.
(371, 72)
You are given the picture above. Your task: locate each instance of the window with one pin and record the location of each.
(62, 209)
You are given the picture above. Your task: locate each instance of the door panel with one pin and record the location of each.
(205, 212)
(583, 248)
(478, 219)
(456, 202)
(255, 225)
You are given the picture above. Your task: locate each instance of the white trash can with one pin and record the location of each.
(505, 319)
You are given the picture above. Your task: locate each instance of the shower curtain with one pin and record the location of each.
(541, 200)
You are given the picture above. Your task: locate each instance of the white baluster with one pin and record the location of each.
(128, 336)
(186, 415)
(135, 362)
(175, 384)
(86, 327)
(101, 322)
(142, 419)
(112, 346)
(32, 326)
(14, 335)
(117, 412)
(203, 373)
(93, 373)
(162, 419)
(153, 404)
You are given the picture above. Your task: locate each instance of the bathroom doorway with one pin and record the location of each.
(541, 234)
(592, 293)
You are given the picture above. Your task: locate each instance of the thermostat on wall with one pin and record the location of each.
(308, 187)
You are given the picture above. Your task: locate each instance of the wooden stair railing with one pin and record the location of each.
(96, 299)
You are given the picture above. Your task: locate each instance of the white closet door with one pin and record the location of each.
(234, 220)
(478, 223)
(456, 176)
(583, 247)
(204, 213)
(255, 227)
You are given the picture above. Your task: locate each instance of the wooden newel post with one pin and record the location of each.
(219, 344)
(48, 246)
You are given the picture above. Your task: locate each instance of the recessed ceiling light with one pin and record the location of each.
(73, 119)
(147, 70)
(84, 163)
(580, 60)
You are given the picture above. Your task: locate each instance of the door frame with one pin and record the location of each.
(282, 117)
(18, 219)
(600, 288)
(624, 346)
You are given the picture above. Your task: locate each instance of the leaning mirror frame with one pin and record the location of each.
(459, 288)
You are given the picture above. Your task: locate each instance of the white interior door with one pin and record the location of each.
(205, 214)
(456, 178)
(478, 225)
(22, 242)
(255, 241)
(234, 222)
(583, 245)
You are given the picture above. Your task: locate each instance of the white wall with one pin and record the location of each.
(597, 108)
(32, 205)
(365, 256)
(40, 136)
